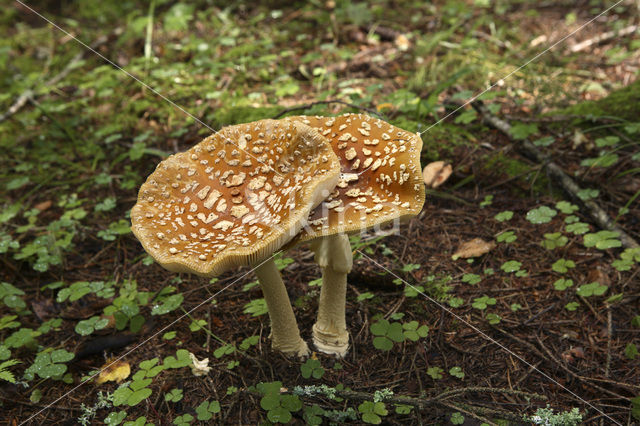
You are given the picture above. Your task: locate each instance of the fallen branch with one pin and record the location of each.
(29, 93)
(420, 403)
(307, 106)
(600, 38)
(594, 211)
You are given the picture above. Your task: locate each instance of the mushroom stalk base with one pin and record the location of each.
(334, 256)
(285, 335)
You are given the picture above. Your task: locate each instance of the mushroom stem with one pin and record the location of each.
(285, 335)
(334, 256)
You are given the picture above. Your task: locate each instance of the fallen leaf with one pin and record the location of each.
(436, 173)
(199, 368)
(569, 355)
(474, 248)
(45, 309)
(43, 205)
(114, 372)
(597, 275)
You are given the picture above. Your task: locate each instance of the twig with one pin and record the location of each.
(468, 411)
(600, 38)
(421, 403)
(479, 389)
(595, 212)
(577, 376)
(335, 101)
(29, 404)
(29, 93)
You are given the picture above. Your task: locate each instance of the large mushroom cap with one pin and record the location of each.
(234, 198)
(381, 177)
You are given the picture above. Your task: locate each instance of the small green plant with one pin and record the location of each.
(10, 296)
(247, 342)
(207, 409)
(183, 420)
(174, 395)
(630, 351)
(572, 306)
(166, 301)
(50, 363)
(372, 412)
(542, 214)
(592, 289)
(312, 368)
(562, 266)
(115, 418)
(456, 418)
(456, 372)
(311, 415)
(182, 359)
(386, 333)
(577, 228)
(488, 200)
(504, 216)
(435, 372)
(493, 319)
(136, 391)
(483, 302)
(562, 284)
(413, 331)
(566, 207)
(628, 258)
(602, 240)
(588, 194)
(365, 296)
(86, 327)
(5, 374)
(472, 279)
(223, 350)
(278, 406)
(256, 307)
(554, 240)
(506, 237)
(511, 266)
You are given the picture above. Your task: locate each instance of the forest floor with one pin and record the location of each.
(547, 316)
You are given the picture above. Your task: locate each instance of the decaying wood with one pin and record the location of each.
(601, 38)
(593, 210)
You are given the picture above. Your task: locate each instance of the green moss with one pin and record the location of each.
(512, 167)
(241, 114)
(439, 140)
(622, 103)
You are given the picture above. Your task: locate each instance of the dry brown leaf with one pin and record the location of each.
(474, 248)
(436, 173)
(43, 205)
(114, 372)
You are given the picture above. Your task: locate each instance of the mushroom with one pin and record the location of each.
(234, 199)
(381, 181)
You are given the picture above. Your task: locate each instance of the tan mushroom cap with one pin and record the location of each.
(381, 177)
(234, 198)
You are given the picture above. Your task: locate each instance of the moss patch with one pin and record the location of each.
(510, 167)
(622, 103)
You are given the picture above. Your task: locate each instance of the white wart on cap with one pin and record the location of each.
(381, 178)
(234, 198)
